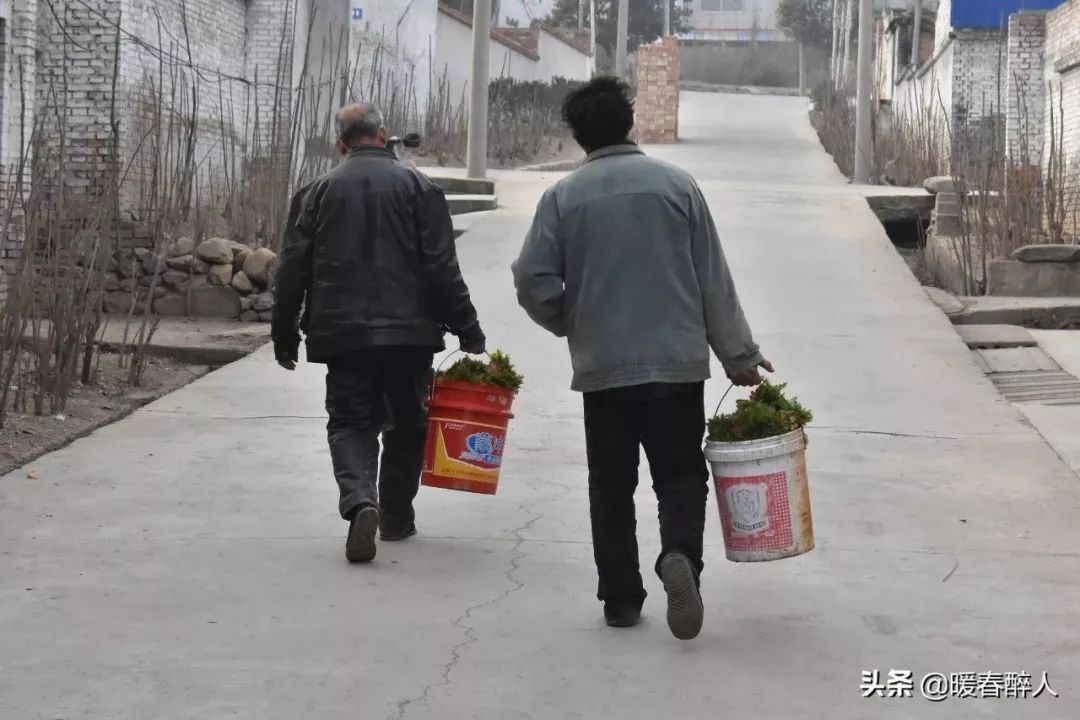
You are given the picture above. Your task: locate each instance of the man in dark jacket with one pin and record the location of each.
(369, 255)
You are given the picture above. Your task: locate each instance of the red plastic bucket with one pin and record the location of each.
(466, 436)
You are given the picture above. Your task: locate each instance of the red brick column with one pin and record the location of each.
(657, 104)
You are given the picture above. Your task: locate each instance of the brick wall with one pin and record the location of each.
(1025, 87)
(962, 88)
(395, 44)
(236, 64)
(74, 78)
(978, 91)
(18, 62)
(270, 28)
(189, 56)
(657, 103)
(1062, 75)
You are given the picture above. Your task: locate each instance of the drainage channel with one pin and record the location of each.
(1019, 369)
(1008, 354)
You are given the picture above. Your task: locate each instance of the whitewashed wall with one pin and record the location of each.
(560, 59)
(734, 20)
(216, 33)
(395, 36)
(927, 97)
(453, 58)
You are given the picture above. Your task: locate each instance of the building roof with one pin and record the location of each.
(527, 40)
(578, 38)
(503, 36)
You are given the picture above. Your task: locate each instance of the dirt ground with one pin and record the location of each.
(25, 437)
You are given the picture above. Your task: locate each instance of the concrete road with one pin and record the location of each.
(187, 562)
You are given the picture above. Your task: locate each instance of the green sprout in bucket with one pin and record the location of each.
(767, 413)
(497, 371)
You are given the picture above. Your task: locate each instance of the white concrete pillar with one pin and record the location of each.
(620, 39)
(864, 141)
(476, 165)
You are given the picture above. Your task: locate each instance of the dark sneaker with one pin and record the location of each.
(360, 545)
(621, 615)
(392, 533)
(396, 526)
(685, 611)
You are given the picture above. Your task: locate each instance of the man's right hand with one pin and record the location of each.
(751, 377)
(473, 341)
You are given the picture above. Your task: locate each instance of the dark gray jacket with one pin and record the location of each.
(623, 259)
(371, 257)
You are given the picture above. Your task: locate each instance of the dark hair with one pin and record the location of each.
(600, 113)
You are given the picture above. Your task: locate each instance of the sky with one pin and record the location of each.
(525, 10)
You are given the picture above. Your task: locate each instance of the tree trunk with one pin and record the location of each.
(849, 25)
(835, 38)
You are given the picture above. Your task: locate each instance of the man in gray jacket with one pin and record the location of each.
(624, 261)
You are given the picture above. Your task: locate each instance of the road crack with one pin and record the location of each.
(462, 621)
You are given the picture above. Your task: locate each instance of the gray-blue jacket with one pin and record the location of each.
(623, 260)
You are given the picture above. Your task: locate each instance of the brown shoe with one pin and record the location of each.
(360, 545)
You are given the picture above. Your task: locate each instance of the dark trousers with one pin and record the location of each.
(372, 392)
(669, 422)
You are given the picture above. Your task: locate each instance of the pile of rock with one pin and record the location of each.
(217, 278)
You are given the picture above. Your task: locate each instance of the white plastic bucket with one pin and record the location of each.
(764, 497)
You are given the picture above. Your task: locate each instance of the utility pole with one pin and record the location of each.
(581, 13)
(916, 35)
(476, 166)
(620, 39)
(592, 35)
(667, 18)
(864, 142)
(802, 71)
(835, 39)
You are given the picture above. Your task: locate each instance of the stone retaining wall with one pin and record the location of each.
(218, 278)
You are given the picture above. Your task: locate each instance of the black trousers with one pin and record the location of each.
(372, 392)
(669, 422)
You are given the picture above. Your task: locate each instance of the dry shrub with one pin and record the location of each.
(523, 117)
(834, 120)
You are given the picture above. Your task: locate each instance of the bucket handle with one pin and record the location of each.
(439, 367)
(722, 399)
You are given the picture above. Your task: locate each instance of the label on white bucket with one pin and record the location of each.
(764, 503)
(756, 512)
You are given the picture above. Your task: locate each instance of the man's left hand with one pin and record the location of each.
(286, 354)
(751, 377)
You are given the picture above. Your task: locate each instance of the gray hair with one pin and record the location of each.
(359, 121)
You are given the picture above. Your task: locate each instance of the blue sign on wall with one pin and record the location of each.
(994, 13)
(358, 13)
